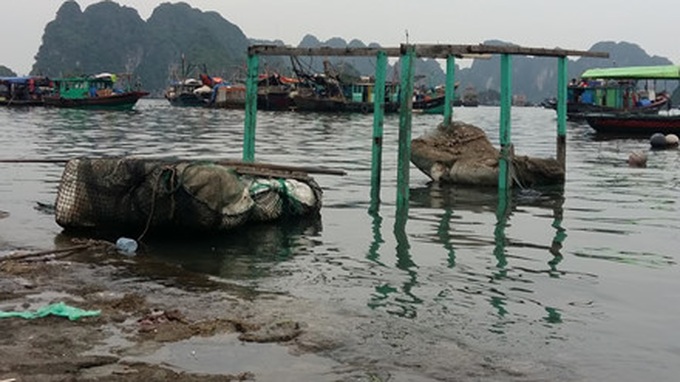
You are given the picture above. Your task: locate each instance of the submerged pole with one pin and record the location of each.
(378, 122)
(505, 136)
(449, 89)
(251, 109)
(562, 112)
(408, 54)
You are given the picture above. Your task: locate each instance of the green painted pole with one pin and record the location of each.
(562, 111)
(378, 122)
(505, 136)
(405, 120)
(251, 109)
(449, 89)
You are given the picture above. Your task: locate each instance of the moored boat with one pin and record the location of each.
(634, 124)
(102, 91)
(617, 90)
(430, 105)
(186, 93)
(23, 91)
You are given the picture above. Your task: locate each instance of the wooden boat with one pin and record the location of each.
(184, 93)
(617, 90)
(433, 105)
(634, 123)
(320, 93)
(328, 95)
(102, 91)
(469, 98)
(274, 92)
(23, 91)
(337, 91)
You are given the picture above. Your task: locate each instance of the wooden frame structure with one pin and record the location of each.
(408, 53)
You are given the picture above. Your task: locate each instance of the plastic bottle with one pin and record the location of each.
(126, 246)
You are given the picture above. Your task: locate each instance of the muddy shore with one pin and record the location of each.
(159, 322)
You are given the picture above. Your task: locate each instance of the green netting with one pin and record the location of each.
(58, 309)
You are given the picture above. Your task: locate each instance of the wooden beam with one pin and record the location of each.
(423, 50)
(443, 51)
(277, 50)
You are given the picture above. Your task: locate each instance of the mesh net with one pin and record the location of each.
(141, 194)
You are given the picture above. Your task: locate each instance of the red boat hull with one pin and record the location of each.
(634, 124)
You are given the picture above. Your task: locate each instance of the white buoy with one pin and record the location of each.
(672, 140)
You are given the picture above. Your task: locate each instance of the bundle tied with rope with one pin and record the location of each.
(138, 195)
(461, 153)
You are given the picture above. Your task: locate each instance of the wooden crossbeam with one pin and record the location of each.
(423, 51)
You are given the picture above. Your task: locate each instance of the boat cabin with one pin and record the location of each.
(101, 85)
(623, 87)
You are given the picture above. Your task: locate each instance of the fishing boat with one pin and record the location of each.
(469, 98)
(617, 90)
(188, 92)
(323, 93)
(102, 91)
(274, 92)
(430, 105)
(634, 123)
(23, 91)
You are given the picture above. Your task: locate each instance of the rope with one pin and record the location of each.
(156, 186)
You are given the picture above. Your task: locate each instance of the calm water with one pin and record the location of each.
(585, 278)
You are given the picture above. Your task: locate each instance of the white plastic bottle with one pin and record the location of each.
(126, 246)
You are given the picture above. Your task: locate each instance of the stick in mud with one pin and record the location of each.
(25, 256)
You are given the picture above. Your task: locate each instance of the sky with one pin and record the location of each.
(572, 24)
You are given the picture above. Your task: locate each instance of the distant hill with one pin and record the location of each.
(6, 72)
(106, 37)
(113, 38)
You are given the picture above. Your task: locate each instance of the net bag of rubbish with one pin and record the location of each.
(461, 153)
(275, 198)
(135, 194)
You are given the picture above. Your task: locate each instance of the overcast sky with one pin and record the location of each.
(572, 24)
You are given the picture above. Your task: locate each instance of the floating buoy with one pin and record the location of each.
(637, 159)
(658, 140)
(672, 140)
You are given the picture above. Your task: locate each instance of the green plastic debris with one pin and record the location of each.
(58, 309)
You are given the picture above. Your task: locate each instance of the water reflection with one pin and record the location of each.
(401, 300)
(444, 234)
(472, 208)
(398, 300)
(376, 227)
(483, 201)
(247, 253)
(503, 211)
